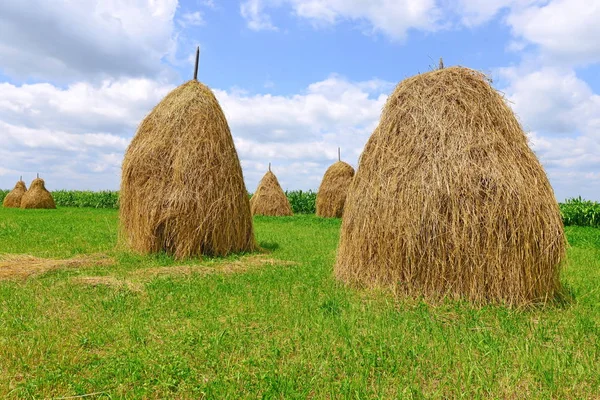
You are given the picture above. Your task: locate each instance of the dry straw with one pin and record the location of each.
(13, 199)
(182, 189)
(269, 198)
(332, 193)
(37, 196)
(449, 200)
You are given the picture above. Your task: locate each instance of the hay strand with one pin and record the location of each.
(37, 196)
(14, 197)
(269, 198)
(449, 200)
(331, 196)
(182, 189)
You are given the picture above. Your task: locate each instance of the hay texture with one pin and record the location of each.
(37, 196)
(269, 198)
(449, 200)
(332, 193)
(13, 198)
(182, 189)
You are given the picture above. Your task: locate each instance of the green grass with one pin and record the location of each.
(282, 331)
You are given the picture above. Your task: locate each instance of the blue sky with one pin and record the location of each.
(296, 78)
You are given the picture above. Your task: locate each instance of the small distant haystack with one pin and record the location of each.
(13, 198)
(37, 196)
(332, 193)
(449, 200)
(269, 198)
(182, 188)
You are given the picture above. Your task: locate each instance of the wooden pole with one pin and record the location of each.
(339, 155)
(441, 66)
(196, 66)
(269, 167)
(38, 175)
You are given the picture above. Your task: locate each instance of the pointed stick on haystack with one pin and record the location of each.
(331, 196)
(450, 201)
(269, 198)
(182, 188)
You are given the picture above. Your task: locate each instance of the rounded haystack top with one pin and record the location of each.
(449, 199)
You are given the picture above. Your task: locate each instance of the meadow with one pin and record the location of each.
(271, 325)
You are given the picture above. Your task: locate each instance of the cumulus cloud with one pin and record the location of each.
(565, 30)
(63, 39)
(78, 135)
(75, 135)
(390, 17)
(562, 115)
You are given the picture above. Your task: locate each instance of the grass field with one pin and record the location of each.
(272, 326)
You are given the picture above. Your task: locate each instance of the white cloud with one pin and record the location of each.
(566, 30)
(64, 39)
(76, 136)
(553, 101)
(257, 20)
(562, 114)
(195, 18)
(390, 17)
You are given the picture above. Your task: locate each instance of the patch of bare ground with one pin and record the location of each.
(22, 266)
(227, 267)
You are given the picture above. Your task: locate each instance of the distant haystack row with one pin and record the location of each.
(182, 189)
(36, 197)
(269, 199)
(449, 200)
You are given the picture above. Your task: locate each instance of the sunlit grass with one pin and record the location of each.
(281, 330)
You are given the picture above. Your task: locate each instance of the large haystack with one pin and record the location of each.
(332, 193)
(182, 189)
(37, 196)
(13, 198)
(269, 198)
(449, 200)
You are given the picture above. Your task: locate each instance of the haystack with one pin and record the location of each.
(449, 200)
(332, 193)
(13, 198)
(182, 189)
(37, 196)
(269, 198)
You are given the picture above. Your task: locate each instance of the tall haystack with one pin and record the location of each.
(449, 200)
(13, 198)
(37, 196)
(332, 193)
(269, 198)
(182, 189)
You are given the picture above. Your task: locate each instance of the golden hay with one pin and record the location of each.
(269, 198)
(22, 265)
(244, 264)
(37, 196)
(449, 200)
(13, 199)
(332, 193)
(182, 189)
